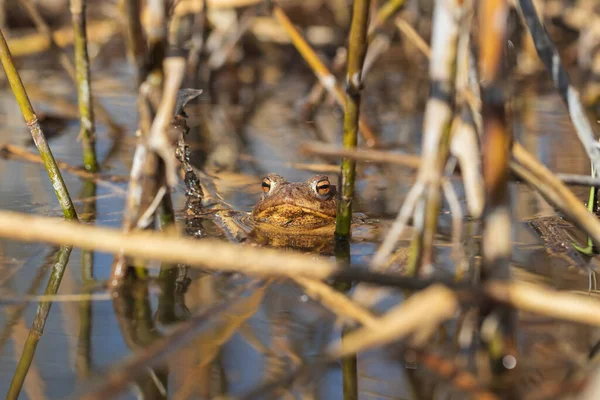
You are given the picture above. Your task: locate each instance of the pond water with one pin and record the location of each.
(276, 327)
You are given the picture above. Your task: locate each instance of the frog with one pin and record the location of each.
(308, 207)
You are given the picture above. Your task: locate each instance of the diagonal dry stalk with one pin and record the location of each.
(64, 59)
(326, 78)
(39, 139)
(549, 55)
(425, 196)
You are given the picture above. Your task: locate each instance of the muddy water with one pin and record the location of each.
(276, 327)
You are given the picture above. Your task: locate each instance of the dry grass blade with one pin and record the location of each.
(419, 315)
(337, 302)
(376, 156)
(543, 180)
(543, 301)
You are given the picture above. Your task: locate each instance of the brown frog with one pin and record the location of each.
(297, 207)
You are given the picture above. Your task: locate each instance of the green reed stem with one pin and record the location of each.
(37, 328)
(356, 56)
(84, 88)
(36, 131)
(83, 360)
(41, 25)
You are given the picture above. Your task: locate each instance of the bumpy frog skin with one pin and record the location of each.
(297, 205)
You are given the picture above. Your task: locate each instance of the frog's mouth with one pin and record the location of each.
(286, 215)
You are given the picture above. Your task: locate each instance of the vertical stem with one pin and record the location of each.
(439, 112)
(36, 131)
(83, 361)
(37, 328)
(496, 145)
(356, 57)
(84, 88)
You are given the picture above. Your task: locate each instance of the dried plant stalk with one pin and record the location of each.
(325, 77)
(64, 59)
(439, 111)
(549, 55)
(420, 315)
(87, 130)
(39, 139)
(356, 57)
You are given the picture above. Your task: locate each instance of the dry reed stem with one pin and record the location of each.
(21, 153)
(439, 110)
(337, 302)
(376, 156)
(326, 78)
(420, 314)
(159, 139)
(550, 57)
(413, 36)
(213, 254)
(64, 58)
(540, 300)
(383, 14)
(545, 182)
(99, 32)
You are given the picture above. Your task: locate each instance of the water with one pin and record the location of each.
(276, 327)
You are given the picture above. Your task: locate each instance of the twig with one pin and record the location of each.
(20, 153)
(39, 139)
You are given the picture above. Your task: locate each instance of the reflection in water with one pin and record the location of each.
(235, 335)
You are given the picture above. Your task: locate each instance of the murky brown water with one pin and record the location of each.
(277, 326)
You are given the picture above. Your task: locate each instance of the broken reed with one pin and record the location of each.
(36, 131)
(357, 49)
(84, 87)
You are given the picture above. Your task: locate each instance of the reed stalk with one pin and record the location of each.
(64, 59)
(549, 55)
(134, 37)
(39, 139)
(37, 328)
(439, 113)
(87, 130)
(357, 49)
(326, 78)
(496, 149)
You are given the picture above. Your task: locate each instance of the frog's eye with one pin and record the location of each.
(266, 185)
(323, 187)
